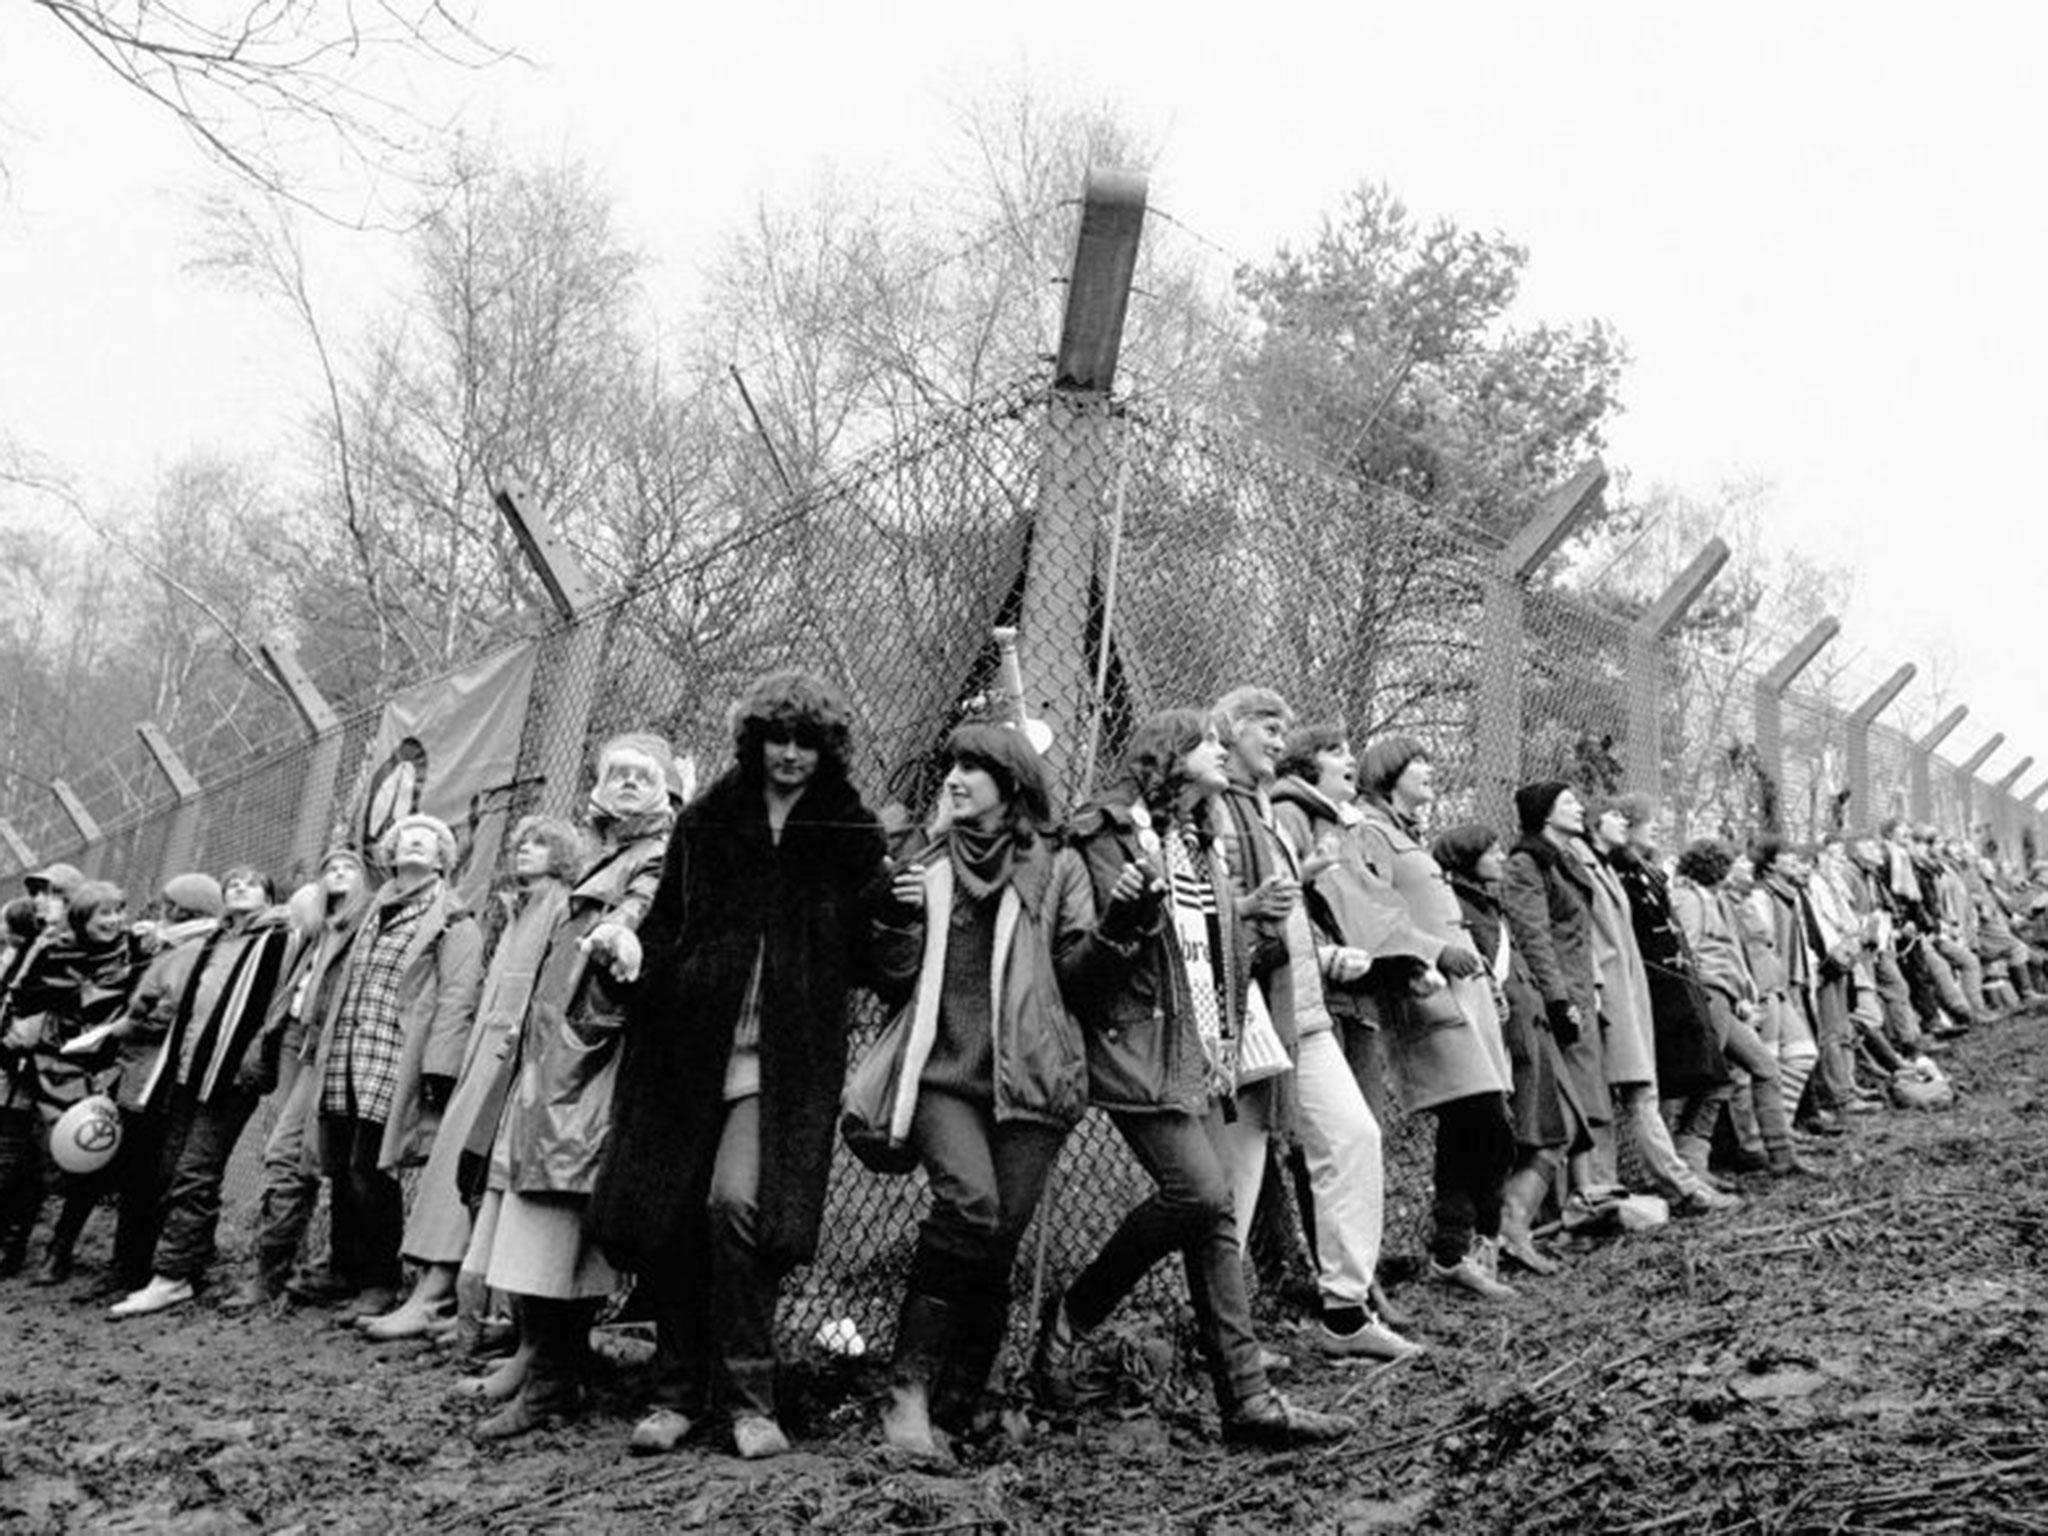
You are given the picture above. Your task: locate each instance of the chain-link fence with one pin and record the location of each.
(1146, 560)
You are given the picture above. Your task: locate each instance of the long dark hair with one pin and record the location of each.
(1150, 770)
(792, 705)
(1007, 757)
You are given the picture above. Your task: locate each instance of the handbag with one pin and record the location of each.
(1260, 1053)
(868, 1104)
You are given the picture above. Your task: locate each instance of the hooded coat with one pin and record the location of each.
(729, 892)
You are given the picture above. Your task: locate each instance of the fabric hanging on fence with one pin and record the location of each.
(450, 748)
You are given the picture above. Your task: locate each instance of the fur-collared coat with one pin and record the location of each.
(729, 892)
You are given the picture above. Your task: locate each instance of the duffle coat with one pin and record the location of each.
(1689, 1058)
(1434, 1065)
(1547, 896)
(730, 892)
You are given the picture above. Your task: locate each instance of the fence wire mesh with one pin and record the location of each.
(1146, 560)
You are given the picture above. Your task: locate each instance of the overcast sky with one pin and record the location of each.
(1820, 228)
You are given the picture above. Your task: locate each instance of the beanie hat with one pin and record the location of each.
(1460, 849)
(1008, 757)
(1384, 763)
(194, 893)
(58, 880)
(444, 840)
(1533, 802)
(345, 852)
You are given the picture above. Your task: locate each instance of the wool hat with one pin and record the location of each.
(345, 852)
(444, 839)
(1460, 849)
(1384, 763)
(194, 892)
(57, 879)
(1533, 802)
(1009, 758)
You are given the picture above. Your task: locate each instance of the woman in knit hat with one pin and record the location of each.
(1443, 1028)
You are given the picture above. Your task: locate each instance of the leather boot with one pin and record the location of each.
(924, 1334)
(553, 1389)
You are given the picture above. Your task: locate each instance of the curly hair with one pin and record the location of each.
(1298, 760)
(792, 705)
(1150, 770)
(561, 839)
(1706, 862)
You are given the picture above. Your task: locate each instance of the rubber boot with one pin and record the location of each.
(924, 1334)
(960, 1403)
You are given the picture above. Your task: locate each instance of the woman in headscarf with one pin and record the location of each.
(734, 1054)
(1443, 1030)
(995, 933)
(1475, 863)
(563, 997)
(1159, 1064)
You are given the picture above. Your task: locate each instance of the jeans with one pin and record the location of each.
(21, 1178)
(1635, 1105)
(1969, 973)
(1895, 997)
(742, 1290)
(1835, 1035)
(290, 1192)
(200, 1141)
(986, 1178)
(140, 1179)
(1190, 1211)
(369, 1206)
(1475, 1148)
(1758, 1113)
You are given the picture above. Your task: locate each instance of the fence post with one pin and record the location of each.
(2030, 820)
(566, 708)
(23, 856)
(1498, 750)
(1858, 738)
(314, 824)
(90, 846)
(181, 847)
(1770, 715)
(1922, 806)
(2007, 826)
(1643, 768)
(1078, 465)
(1966, 784)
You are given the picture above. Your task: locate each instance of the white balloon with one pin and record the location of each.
(87, 1135)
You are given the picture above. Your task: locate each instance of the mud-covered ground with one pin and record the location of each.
(1861, 1354)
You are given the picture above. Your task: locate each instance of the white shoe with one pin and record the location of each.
(157, 1296)
(1371, 1340)
(1474, 1273)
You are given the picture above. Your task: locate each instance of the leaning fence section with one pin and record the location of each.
(1145, 559)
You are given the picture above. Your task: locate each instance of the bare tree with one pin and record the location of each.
(252, 82)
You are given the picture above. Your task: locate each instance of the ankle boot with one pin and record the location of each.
(924, 1333)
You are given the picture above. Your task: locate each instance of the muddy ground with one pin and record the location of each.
(1862, 1354)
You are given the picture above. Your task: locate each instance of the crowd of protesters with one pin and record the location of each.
(1249, 950)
